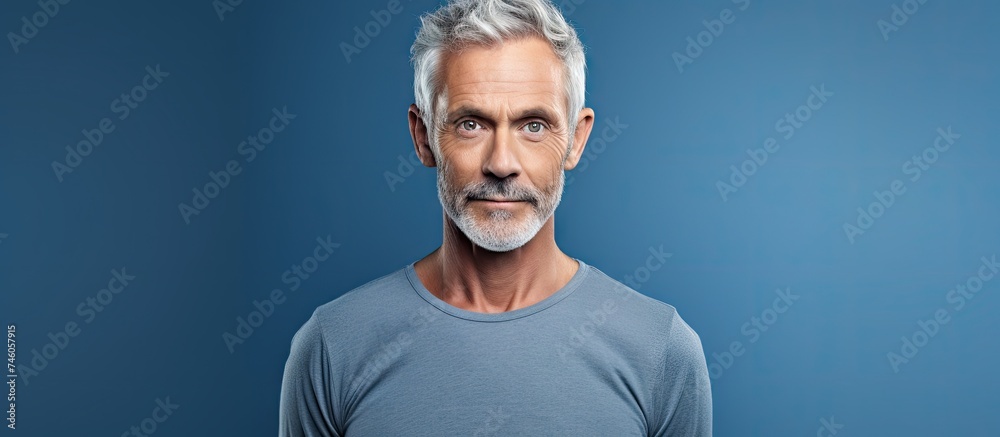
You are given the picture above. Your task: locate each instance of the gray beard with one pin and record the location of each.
(501, 232)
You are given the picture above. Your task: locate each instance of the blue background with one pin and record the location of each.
(655, 184)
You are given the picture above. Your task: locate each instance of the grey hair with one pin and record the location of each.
(463, 23)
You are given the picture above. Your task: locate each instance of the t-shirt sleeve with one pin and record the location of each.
(305, 406)
(683, 394)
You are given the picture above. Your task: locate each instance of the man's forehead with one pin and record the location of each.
(520, 70)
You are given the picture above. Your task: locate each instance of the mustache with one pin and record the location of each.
(497, 188)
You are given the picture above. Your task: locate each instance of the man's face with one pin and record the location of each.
(503, 143)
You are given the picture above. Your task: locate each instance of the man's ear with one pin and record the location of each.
(418, 131)
(584, 124)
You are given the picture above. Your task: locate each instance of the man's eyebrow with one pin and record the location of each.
(465, 111)
(469, 111)
(537, 112)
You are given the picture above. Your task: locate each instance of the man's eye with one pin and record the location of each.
(469, 125)
(534, 127)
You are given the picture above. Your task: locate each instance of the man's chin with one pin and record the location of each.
(499, 246)
(483, 237)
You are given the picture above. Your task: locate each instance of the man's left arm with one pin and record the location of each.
(683, 393)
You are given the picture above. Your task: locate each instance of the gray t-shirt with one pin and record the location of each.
(596, 358)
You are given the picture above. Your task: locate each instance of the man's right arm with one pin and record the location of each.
(306, 407)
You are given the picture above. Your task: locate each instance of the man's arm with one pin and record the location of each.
(683, 394)
(305, 388)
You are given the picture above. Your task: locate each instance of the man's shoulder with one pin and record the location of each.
(640, 307)
(387, 283)
(637, 314)
(360, 317)
(365, 301)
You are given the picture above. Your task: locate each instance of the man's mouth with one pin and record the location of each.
(498, 201)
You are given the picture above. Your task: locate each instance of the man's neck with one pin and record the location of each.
(475, 279)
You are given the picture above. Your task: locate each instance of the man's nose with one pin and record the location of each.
(501, 159)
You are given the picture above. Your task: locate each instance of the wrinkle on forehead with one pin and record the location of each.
(507, 78)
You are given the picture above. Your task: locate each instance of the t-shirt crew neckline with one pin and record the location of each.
(562, 293)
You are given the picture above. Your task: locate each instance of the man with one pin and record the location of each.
(497, 332)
